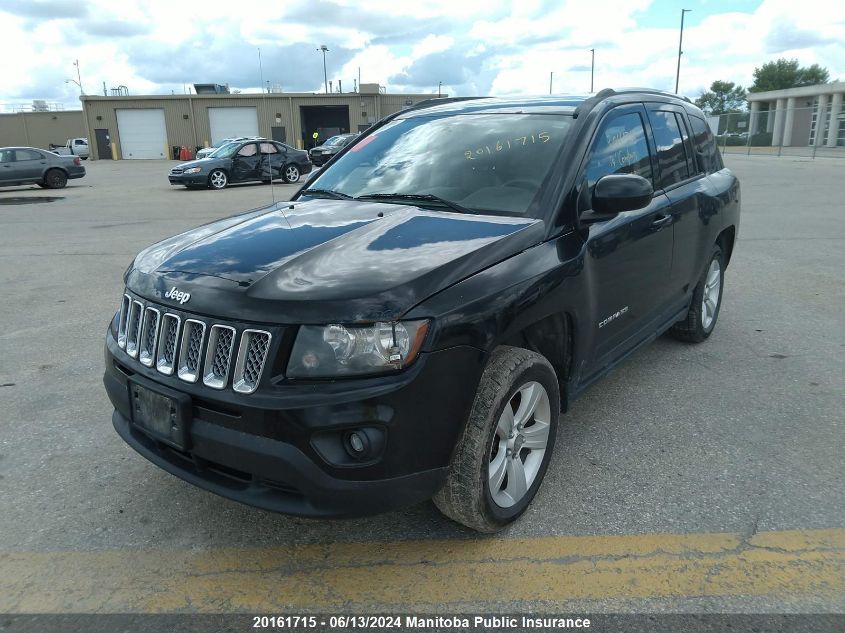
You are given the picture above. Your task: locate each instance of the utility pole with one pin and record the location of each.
(325, 50)
(592, 69)
(680, 49)
(551, 79)
(439, 84)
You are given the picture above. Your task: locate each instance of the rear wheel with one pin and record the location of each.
(706, 302)
(502, 456)
(55, 179)
(290, 173)
(218, 179)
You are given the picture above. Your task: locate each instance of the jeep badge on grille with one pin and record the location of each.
(177, 295)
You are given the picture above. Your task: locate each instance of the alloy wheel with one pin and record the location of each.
(711, 296)
(291, 173)
(218, 180)
(519, 443)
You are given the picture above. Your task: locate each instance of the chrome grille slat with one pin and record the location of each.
(168, 337)
(190, 350)
(149, 335)
(252, 354)
(218, 356)
(176, 345)
(125, 305)
(133, 328)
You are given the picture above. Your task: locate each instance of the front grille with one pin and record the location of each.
(167, 338)
(133, 328)
(252, 355)
(175, 171)
(191, 349)
(149, 334)
(179, 347)
(124, 318)
(218, 357)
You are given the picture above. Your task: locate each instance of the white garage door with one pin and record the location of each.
(232, 122)
(142, 133)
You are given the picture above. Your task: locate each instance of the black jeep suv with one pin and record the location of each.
(413, 323)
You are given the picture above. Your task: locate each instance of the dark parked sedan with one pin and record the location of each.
(31, 166)
(325, 152)
(243, 161)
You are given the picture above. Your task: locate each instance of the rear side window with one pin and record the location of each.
(27, 154)
(619, 148)
(706, 153)
(671, 156)
(268, 148)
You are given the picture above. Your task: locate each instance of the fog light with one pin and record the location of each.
(356, 442)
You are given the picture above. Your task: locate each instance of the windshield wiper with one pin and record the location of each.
(417, 197)
(326, 193)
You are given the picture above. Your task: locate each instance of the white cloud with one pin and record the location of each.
(472, 46)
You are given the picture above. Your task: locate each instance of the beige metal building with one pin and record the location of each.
(39, 129)
(150, 126)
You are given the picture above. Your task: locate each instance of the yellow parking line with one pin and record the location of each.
(416, 574)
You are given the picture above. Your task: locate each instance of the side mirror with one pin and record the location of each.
(616, 193)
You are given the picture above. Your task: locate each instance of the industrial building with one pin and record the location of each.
(150, 126)
(809, 115)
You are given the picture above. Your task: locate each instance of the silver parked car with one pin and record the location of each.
(28, 165)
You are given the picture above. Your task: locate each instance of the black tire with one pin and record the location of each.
(291, 173)
(466, 497)
(692, 329)
(41, 184)
(55, 179)
(218, 179)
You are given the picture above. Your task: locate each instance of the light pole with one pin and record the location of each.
(78, 80)
(551, 79)
(439, 84)
(680, 50)
(592, 69)
(325, 50)
(67, 81)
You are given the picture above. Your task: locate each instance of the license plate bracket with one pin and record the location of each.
(162, 415)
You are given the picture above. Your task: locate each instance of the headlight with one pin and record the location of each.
(193, 170)
(337, 350)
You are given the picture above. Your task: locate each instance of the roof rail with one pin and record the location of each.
(427, 103)
(590, 103)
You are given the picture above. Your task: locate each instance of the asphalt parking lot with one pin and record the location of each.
(703, 477)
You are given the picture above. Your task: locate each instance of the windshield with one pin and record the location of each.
(226, 151)
(485, 162)
(334, 140)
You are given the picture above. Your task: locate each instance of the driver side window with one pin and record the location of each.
(620, 147)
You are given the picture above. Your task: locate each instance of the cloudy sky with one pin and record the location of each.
(473, 46)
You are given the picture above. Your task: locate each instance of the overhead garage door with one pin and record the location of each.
(231, 122)
(142, 133)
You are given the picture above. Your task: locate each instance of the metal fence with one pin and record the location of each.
(790, 132)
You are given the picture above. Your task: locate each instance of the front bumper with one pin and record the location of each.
(265, 449)
(189, 179)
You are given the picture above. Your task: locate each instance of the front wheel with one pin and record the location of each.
(502, 456)
(706, 302)
(218, 179)
(291, 174)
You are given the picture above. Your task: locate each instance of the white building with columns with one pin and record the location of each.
(806, 116)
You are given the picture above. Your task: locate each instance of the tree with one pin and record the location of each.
(786, 73)
(723, 97)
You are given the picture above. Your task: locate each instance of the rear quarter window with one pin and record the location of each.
(706, 153)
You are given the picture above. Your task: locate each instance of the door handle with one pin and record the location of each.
(661, 221)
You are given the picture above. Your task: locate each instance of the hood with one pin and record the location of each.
(199, 162)
(322, 260)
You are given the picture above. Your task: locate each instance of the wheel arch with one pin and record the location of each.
(726, 240)
(553, 338)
